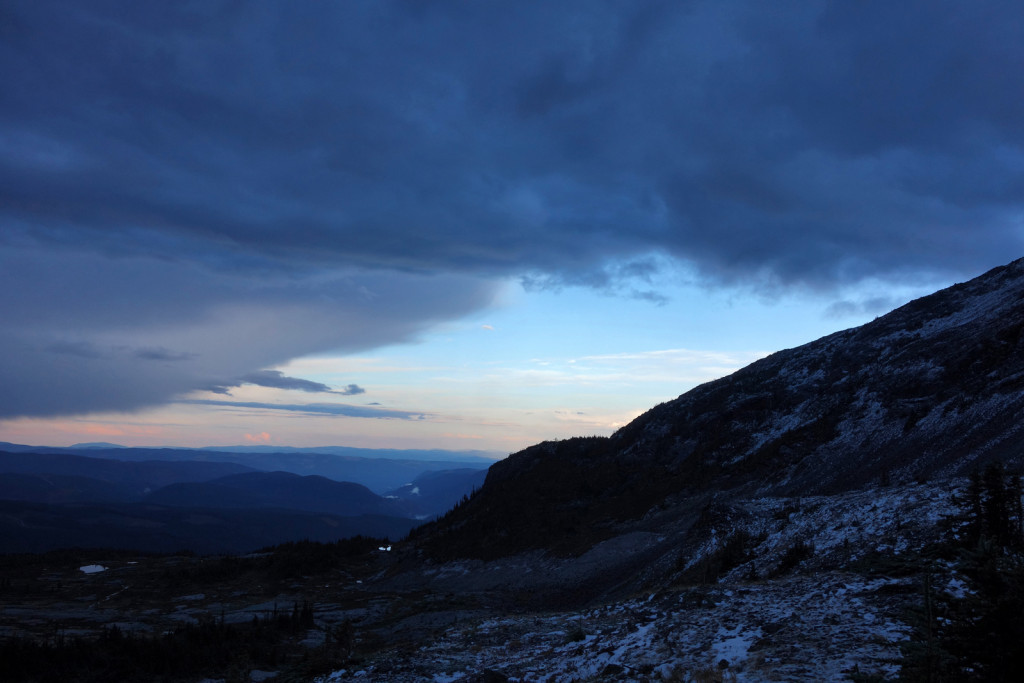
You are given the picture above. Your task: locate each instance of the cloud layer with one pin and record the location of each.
(84, 332)
(192, 192)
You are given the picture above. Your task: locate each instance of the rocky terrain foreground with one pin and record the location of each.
(804, 628)
(841, 608)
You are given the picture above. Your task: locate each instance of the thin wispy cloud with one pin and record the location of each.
(683, 367)
(329, 409)
(678, 356)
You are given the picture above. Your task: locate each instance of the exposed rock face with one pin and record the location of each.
(932, 389)
(929, 389)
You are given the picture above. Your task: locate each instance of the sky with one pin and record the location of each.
(473, 225)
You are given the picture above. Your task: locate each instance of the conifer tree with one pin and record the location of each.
(977, 637)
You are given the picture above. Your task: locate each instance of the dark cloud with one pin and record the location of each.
(80, 349)
(278, 380)
(275, 379)
(162, 354)
(332, 409)
(806, 142)
(350, 167)
(89, 350)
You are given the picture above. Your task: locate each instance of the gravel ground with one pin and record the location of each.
(803, 628)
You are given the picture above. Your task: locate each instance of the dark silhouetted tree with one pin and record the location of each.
(977, 637)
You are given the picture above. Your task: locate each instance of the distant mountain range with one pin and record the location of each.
(437, 454)
(370, 467)
(131, 479)
(83, 496)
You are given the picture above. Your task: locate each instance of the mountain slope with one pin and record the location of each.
(934, 388)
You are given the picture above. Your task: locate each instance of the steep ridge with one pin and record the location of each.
(933, 389)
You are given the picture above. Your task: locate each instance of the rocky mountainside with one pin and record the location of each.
(933, 389)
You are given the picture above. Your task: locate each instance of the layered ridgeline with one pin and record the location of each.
(932, 389)
(216, 502)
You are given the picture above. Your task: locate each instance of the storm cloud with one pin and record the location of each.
(85, 332)
(194, 191)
